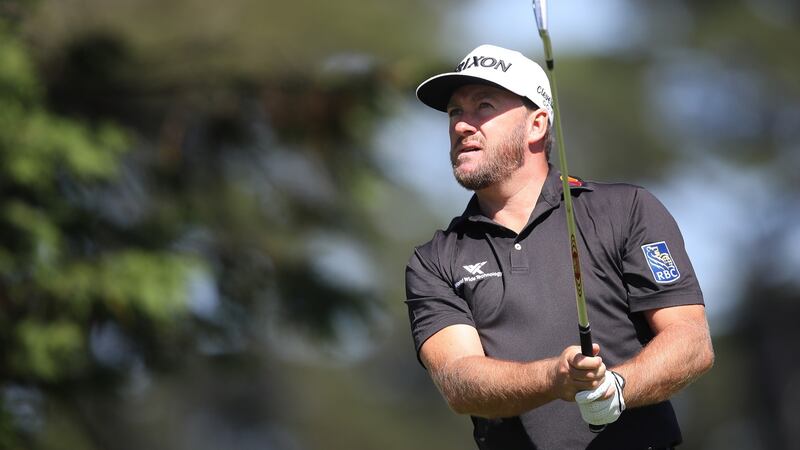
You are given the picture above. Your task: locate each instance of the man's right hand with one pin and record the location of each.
(574, 372)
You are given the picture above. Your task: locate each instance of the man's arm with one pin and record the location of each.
(679, 353)
(475, 384)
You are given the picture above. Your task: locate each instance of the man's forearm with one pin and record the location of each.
(675, 357)
(486, 387)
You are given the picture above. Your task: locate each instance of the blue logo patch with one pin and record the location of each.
(661, 263)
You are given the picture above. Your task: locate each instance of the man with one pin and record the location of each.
(491, 298)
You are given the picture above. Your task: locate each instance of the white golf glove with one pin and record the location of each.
(601, 412)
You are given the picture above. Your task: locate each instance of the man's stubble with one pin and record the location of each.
(501, 160)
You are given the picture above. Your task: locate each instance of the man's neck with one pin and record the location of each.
(511, 201)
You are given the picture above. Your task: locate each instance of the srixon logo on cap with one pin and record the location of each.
(483, 61)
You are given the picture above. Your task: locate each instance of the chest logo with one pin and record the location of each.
(475, 269)
(661, 263)
(476, 273)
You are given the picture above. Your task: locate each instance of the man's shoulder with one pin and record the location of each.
(611, 194)
(623, 195)
(611, 188)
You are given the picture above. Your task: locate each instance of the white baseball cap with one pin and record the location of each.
(493, 65)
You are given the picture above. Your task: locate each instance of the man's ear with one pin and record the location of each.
(538, 122)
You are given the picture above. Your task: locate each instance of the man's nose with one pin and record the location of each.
(464, 127)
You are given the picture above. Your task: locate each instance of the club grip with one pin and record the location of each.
(586, 340)
(586, 350)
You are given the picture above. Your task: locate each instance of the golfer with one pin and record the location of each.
(491, 298)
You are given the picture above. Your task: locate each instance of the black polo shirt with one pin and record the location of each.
(517, 290)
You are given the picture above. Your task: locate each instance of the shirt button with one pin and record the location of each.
(517, 246)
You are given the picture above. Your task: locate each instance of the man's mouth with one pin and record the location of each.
(469, 147)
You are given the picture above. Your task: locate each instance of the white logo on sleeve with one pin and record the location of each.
(475, 269)
(476, 272)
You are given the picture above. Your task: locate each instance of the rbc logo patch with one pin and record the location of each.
(661, 263)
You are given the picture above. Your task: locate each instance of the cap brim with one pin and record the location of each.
(436, 91)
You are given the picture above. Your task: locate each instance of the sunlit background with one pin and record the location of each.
(206, 208)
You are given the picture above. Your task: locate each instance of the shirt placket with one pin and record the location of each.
(519, 262)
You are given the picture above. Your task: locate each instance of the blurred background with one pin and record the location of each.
(206, 208)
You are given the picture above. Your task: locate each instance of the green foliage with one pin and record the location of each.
(17, 82)
(48, 351)
(57, 278)
(251, 140)
(241, 39)
(8, 435)
(39, 146)
(149, 284)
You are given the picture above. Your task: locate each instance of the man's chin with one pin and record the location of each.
(466, 169)
(470, 181)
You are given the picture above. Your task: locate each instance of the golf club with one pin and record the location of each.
(540, 11)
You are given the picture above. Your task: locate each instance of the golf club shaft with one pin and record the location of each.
(539, 8)
(580, 299)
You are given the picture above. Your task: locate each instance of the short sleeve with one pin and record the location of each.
(432, 302)
(656, 267)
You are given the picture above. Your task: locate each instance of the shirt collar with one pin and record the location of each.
(553, 187)
(551, 193)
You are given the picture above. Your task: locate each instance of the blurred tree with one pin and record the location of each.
(234, 203)
(66, 265)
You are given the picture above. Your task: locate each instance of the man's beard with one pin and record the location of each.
(501, 160)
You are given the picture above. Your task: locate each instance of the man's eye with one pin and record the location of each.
(485, 105)
(454, 112)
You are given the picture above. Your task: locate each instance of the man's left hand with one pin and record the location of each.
(597, 406)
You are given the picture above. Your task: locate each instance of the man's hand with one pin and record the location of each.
(604, 404)
(575, 372)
